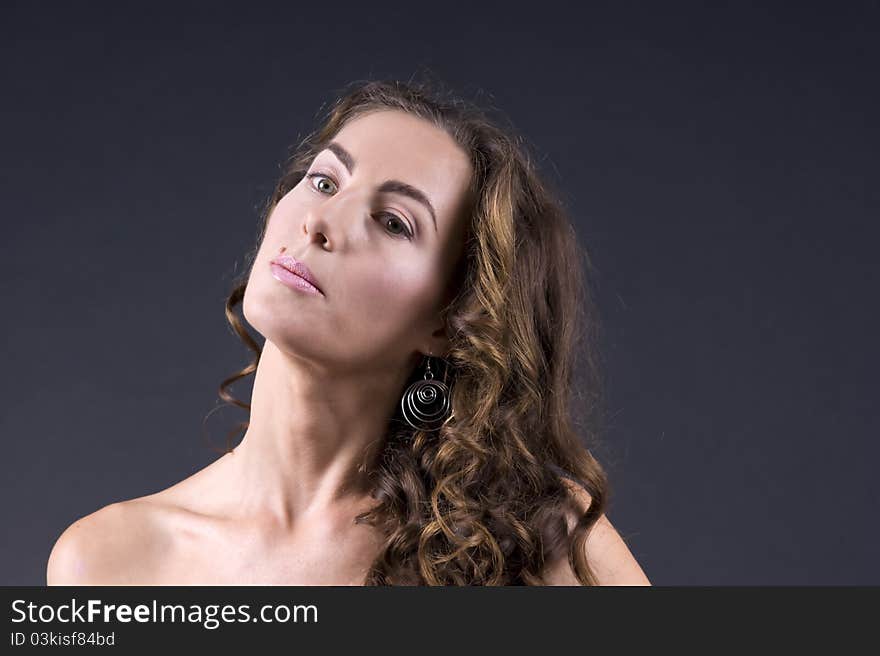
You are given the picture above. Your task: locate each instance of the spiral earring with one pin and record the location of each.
(426, 403)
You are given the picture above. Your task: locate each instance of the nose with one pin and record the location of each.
(315, 229)
(331, 222)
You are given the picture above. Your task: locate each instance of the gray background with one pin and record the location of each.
(721, 166)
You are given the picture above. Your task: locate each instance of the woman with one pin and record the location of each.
(409, 421)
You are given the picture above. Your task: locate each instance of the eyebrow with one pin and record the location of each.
(389, 186)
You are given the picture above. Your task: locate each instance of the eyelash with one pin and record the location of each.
(407, 232)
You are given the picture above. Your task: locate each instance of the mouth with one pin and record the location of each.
(297, 268)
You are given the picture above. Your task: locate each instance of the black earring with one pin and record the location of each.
(426, 403)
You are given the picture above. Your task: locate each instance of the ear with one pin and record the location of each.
(437, 344)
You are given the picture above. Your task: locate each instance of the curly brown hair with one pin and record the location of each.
(484, 500)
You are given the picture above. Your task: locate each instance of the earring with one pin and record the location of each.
(425, 404)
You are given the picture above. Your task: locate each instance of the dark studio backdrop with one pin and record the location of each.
(721, 165)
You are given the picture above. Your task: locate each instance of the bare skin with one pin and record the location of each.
(280, 508)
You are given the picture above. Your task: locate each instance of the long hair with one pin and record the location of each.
(483, 501)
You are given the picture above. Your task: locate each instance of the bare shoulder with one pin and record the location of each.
(115, 545)
(127, 542)
(607, 553)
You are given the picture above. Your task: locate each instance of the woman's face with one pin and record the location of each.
(381, 257)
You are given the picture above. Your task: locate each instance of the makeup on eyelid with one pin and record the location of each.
(409, 232)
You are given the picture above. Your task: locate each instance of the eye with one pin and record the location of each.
(393, 217)
(310, 176)
(406, 232)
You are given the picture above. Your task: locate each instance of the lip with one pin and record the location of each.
(294, 273)
(287, 277)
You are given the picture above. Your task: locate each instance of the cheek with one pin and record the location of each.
(286, 207)
(390, 294)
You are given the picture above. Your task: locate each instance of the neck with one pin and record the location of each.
(313, 437)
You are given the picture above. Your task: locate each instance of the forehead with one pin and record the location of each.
(392, 144)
